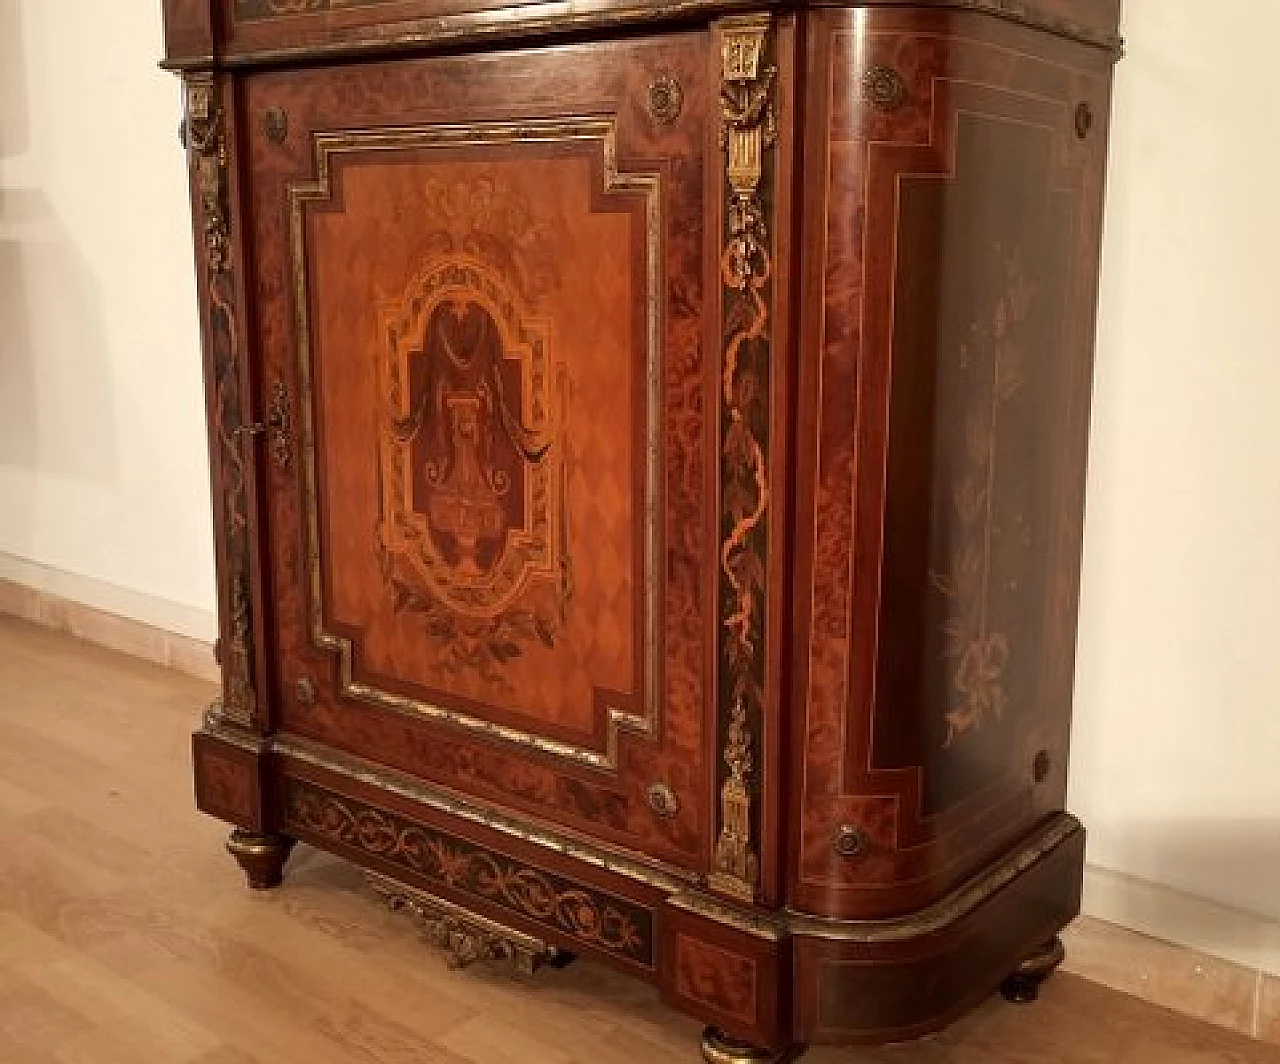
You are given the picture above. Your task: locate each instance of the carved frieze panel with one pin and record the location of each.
(572, 909)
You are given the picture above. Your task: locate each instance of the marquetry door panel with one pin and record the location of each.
(481, 308)
(945, 417)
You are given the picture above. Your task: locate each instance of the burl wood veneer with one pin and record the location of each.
(648, 447)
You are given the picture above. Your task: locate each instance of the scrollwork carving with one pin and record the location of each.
(466, 937)
(604, 922)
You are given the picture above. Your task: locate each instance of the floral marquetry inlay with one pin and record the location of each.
(606, 922)
(748, 137)
(978, 653)
(473, 532)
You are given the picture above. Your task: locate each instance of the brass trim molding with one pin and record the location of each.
(942, 914)
(680, 886)
(955, 906)
(651, 873)
(748, 137)
(217, 725)
(466, 936)
(319, 190)
(772, 927)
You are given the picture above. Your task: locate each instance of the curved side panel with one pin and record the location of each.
(849, 992)
(944, 395)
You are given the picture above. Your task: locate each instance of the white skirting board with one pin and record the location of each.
(140, 625)
(1247, 939)
(172, 617)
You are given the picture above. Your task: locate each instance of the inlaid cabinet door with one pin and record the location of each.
(483, 305)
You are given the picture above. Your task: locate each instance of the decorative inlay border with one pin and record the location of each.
(602, 131)
(582, 913)
(207, 158)
(748, 136)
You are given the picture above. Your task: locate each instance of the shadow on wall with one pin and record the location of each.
(1233, 863)
(56, 394)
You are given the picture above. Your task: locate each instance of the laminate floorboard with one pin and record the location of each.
(127, 935)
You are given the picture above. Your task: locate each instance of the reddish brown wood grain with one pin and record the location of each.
(594, 244)
(471, 339)
(715, 978)
(229, 782)
(849, 992)
(188, 30)
(736, 981)
(889, 431)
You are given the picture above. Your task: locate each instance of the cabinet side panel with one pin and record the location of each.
(944, 412)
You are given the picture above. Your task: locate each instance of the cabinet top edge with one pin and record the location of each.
(229, 34)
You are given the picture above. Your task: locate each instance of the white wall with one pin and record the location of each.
(103, 471)
(1176, 765)
(1176, 760)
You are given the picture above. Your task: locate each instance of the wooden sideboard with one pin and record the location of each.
(648, 448)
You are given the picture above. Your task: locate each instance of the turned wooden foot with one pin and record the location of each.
(1023, 985)
(261, 856)
(718, 1049)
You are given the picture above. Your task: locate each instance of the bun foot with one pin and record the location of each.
(1023, 985)
(718, 1049)
(261, 856)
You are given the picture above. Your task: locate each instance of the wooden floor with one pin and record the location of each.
(127, 936)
